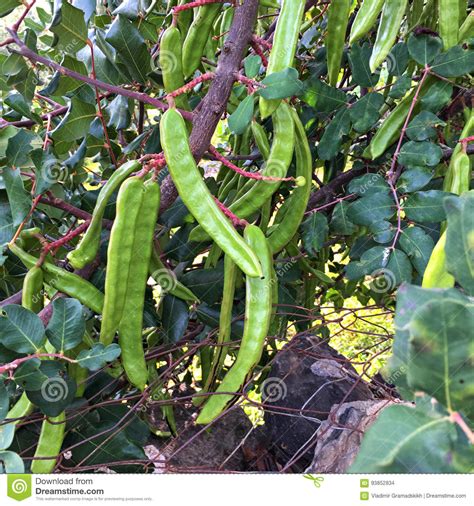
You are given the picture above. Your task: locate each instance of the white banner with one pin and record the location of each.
(248, 489)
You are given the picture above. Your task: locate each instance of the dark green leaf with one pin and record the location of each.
(418, 246)
(418, 154)
(423, 126)
(29, 376)
(401, 87)
(359, 57)
(371, 208)
(18, 103)
(437, 96)
(410, 440)
(314, 231)
(55, 395)
(240, 119)
(426, 206)
(131, 48)
(322, 97)
(414, 179)
(424, 48)
(98, 356)
(6, 7)
(460, 239)
(67, 326)
(175, 318)
(368, 184)
(20, 201)
(455, 62)
(119, 113)
(398, 59)
(340, 223)
(21, 330)
(281, 85)
(69, 27)
(76, 122)
(439, 348)
(331, 140)
(19, 147)
(366, 111)
(252, 65)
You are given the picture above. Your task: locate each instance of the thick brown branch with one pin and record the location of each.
(213, 106)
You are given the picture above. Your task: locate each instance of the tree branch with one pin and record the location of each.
(212, 107)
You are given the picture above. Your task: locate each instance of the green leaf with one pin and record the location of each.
(440, 348)
(119, 113)
(29, 376)
(6, 223)
(418, 246)
(7, 433)
(18, 103)
(409, 440)
(437, 96)
(401, 87)
(456, 62)
(19, 147)
(69, 27)
(398, 59)
(281, 84)
(417, 154)
(314, 232)
(371, 209)
(460, 239)
(424, 48)
(414, 179)
(7, 6)
(322, 97)
(426, 206)
(371, 260)
(21, 330)
(48, 170)
(76, 123)
(20, 201)
(3, 403)
(12, 462)
(5, 134)
(398, 270)
(368, 184)
(366, 112)
(423, 127)
(252, 65)
(175, 318)
(67, 326)
(331, 141)
(240, 119)
(98, 356)
(340, 223)
(359, 57)
(131, 48)
(410, 299)
(56, 393)
(66, 84)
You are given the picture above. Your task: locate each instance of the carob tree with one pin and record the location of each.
(187, 186)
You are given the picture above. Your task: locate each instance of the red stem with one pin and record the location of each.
(26, 52)
(189, 86)
(11, 366)
(193, 5)
(236, 221)
(67, 238)
(250, 175)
